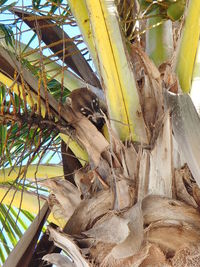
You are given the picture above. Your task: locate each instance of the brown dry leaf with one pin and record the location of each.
(132, 243)
(153, 179)
(125, 194)
(145, 61)
(172, 235)
(89, 211)
(85, 180)
(134, 260)
(169, 78)
(89, 182)
(155, 258)
(91, 139)
(143, 177)
(99, 251)
(59, 260)
(187, 257)
(124, 229)
(111, 228)
(196, 193)
(148, 256)
(157, 208)
(57, 210)
(131, 162)
(171, 224)
(181, 191)
(67, 195)
(116, 148)
(149, 83)
(66, 243)
(160, 179)
(103, 168)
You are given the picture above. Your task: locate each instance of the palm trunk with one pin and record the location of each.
(139, 207)
(134, 203)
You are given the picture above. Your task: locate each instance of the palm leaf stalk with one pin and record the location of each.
(188, 47)
(115, 70)
(80, 12)
(159, 16)
(159, 40)
(194, 92)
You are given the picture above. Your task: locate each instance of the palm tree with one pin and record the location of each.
(130, 193)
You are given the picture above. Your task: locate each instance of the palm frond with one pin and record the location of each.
(12, 231)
